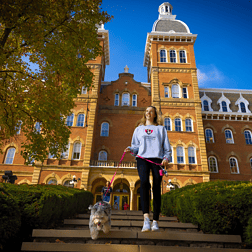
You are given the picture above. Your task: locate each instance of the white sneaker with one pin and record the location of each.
(146, 226)
(154, 226)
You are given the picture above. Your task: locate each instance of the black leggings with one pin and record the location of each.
(143, 168)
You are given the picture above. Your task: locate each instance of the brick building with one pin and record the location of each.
(209, 129)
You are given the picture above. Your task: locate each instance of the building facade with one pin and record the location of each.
(210, 130)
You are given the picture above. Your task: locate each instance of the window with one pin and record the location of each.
(212, 164)
(205, 105)
(116, 100)
(182, 56)
(52, 182)
(177, 124)
(180, 155)
(105, 129)
(229, 136)
(80, 120)
(38, 127)
(188, 124)
(125, 99)
(69, 121)
(162, 55)
(233, 165)
(134, 100)
(64, 154)
(171, 161)
(209, 136)
(224, 106)
(84, 90)
(243, 108)
(251, 163)
(102, 156)
(10, 156)
(76, 150)
(184, 92)
(18, 127)
(191, 155)
(248, 137)
(166, 92)
(173, 56)
(167, 123)
(175, 91)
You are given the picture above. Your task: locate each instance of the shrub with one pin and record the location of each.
(248, 232)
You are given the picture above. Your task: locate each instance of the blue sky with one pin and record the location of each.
(222, 49)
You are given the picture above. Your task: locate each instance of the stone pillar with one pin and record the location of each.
(131, 197)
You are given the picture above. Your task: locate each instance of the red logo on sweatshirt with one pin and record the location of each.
(148, 131)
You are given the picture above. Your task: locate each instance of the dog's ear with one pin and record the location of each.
(90, 207)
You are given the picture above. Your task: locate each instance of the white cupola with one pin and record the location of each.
(165, 11)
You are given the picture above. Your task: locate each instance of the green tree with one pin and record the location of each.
(59, 36)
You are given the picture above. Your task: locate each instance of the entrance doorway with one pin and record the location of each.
(120, 199)
(121, 194)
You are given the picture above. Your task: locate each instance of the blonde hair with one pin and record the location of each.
(156, 120)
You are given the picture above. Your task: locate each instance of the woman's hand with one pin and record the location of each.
(165, 162)
(127, 150)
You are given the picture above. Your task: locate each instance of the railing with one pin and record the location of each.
(112, 164)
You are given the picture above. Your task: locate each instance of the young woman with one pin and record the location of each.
(106, 191)
(150, 141)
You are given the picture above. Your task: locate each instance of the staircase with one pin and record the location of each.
(126, 235)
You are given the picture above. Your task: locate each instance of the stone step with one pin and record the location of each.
(148, 236)
(137, 223)
(61, 247)
(128, 217)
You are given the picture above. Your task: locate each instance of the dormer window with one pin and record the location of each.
(243, 108)
(242, 104)
(206, 106)
(224, 106)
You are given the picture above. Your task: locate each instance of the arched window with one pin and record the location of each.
(248, 137)
(224, 106)
(52, 182)
(105, 129)
(116, 100)
(18, 127)
(175, 91)
(180, 155)
(173, 58)
(69, 121)
(205, 105)
(76, 150)
(103, 155)
(209, 136)
(64, 154)
(125, 99)
(80, 120)
(177, 124)
(229, 136)
(188, 124)
(212, 164)
(162, 55)
(191, 155)
(38, 127)
(167, 123)
(233, 165)
(10, 156)
(243, 107)
(166, 92)
(134, 100)
(182, 56)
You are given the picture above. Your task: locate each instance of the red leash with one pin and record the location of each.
(162, 172)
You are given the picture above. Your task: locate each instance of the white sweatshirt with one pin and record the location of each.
(151, 142)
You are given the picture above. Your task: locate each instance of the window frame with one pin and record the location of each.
(182, 158)
(237, 166)
(190, 156)
(8, 155)
(177, 91)
(222, 107)
(163, 57)
(183, 57)
(248, 140)
(185, 94)
(74, 151)
(227, 137)
(191, 125)
(180, 121)
(82, 123)
(205, 106)
(209, 165)
(134, 100)
(103, 131)
(117, 100)
(207, 136)
(99, 155)
(166, 126)
(166, 92)
(84, 90)
(172, 58)
(128, 103)
(70, 116)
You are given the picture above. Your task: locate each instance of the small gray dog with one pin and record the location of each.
(100, 218)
